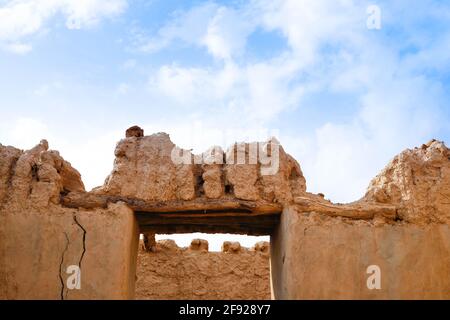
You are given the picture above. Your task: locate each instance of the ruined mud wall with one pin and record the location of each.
(170, 272)
(154, 168)
(401, 226)
(319, 249)
(317, 257)
(40, 239)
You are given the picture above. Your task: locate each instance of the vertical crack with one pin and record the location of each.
(84, 239)
(61, 264)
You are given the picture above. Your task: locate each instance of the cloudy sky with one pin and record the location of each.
(342, 96)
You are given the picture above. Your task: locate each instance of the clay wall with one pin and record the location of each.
(171, 272)
(315, 257)
(319, 249)
(41, 242)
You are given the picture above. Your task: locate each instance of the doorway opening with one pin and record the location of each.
(203, 266)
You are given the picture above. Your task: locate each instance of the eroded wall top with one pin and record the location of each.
(36, 177)
(413, 188)
(417, 182)
(153, 168)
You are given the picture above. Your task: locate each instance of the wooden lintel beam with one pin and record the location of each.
(357, 210)
(89, 200)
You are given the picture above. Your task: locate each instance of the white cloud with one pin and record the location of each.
(94, 158)
(258, 91)
(329, 51)
(226, 33)
(20, 19)
(181, 84)
(221, 30)
(17, 48)
(81, 13)
(187, 27)
(25, 133)
(308, 24)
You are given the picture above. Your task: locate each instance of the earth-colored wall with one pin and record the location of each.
(319, 250)
(317, 257)
(36, 248)
(196, 273)
(40, 239)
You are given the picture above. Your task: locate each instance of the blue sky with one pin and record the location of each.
(342, 98)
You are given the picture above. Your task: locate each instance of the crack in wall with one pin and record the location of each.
(84, 240)
(65, 250)
(61, 264)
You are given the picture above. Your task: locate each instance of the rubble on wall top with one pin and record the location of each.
(413, 188)
(201, 245)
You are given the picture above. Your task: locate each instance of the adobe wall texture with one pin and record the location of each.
(171, 272)
(319, 250)
(318, 255)
(154, 168)
(324, 258)
(39, 238)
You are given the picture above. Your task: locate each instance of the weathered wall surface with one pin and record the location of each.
(417, 183)
(316, 257)
(171, 272)
(319, 250)
(402, 225)
(154, 168)
(39, 238)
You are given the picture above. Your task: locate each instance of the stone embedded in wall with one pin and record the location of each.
(231, 247)
(199, 245)
(166, 245)
(241, 171)
(213, 185)
(134, 131)
(149, 242)
(212, 175)
(261, 246)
